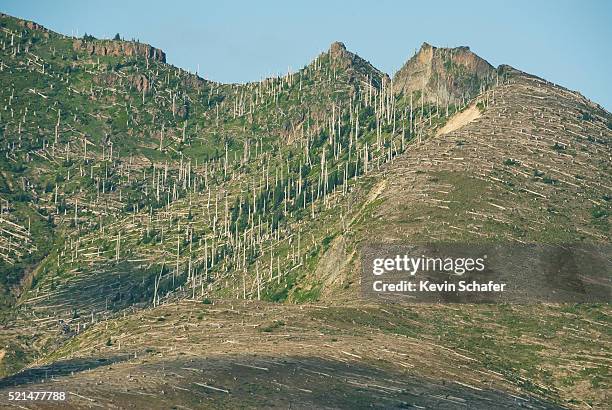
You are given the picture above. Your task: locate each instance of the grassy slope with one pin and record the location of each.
(534, 350)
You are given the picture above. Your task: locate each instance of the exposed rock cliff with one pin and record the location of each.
(119, 48)
(444, 74)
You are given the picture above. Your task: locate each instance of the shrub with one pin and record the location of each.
(599, 213)
(511, 162)
(558, 147)
(550, 181)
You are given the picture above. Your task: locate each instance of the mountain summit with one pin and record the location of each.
(357, 67)
(444, 75)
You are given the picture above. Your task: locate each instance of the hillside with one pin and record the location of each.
(159, 226)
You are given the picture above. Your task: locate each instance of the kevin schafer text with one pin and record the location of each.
(428, 286)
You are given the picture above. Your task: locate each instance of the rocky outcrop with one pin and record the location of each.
(357, 68)
(140, 82)
(119, 48)
(338, 52)
(444, 74)
(30, 25)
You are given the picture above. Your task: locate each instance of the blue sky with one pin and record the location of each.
(567, 42)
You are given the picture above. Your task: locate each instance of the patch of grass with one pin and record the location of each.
(599, 212)
(586, 116)
(272, 326)
(327, 241)
(310, 295)
(599, 217)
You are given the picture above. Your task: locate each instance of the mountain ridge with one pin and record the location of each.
(136, 196)
(336, 48)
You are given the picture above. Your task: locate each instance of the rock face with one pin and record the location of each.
(140, 82)
(444, 74)
(357, 67)
(32, 25)
(119, 48)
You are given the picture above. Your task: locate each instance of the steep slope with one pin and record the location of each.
(525, 162)
(160, 204)
(88, 122)
(151, 184)
(530, 162)
(444, 75)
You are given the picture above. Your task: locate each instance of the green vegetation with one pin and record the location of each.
(128, 158)
(511, 162)
(272, 326)
(129, 184)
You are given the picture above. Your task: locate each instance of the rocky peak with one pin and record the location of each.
(119, 48)
(357, 67)
(338, 50)
(444, 74)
